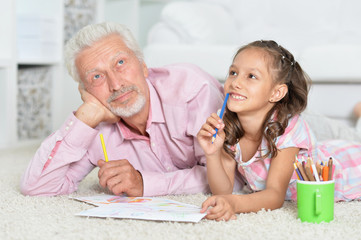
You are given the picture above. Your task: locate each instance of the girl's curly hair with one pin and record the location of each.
(285, 70)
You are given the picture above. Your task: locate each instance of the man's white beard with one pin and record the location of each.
(129, 110)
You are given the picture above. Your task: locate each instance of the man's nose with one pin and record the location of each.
(114, 81)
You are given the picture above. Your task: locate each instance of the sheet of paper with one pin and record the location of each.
(145, 208)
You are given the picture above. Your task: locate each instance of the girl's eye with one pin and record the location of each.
(120, 62)
(252, 76)
(232, 73)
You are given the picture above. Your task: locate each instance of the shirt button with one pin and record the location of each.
(153, 144)
(66, 128)
(50, 157)
(71, 123)
(168, 168)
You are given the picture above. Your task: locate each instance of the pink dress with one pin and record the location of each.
(346, 157)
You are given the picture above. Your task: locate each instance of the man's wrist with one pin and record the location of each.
(88, 115)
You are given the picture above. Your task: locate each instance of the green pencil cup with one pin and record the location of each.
(315, 201)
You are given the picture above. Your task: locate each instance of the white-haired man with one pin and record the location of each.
(149, 119)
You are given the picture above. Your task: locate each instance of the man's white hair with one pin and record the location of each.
(91, 34)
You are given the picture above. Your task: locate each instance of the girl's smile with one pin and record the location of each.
(237, 97)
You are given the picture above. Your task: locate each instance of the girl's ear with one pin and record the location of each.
(278, 93)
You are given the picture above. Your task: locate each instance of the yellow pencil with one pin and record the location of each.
(103, 145)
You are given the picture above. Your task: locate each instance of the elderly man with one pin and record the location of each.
(149, 119)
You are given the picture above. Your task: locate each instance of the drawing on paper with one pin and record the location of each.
(158, 209)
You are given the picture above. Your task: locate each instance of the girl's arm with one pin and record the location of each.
(220, 173)
(280, 173)
(220, 166)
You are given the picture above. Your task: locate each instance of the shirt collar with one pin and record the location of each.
(156, 110)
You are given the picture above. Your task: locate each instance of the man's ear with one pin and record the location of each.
(145, 70)
(278, 93)
(81, 85)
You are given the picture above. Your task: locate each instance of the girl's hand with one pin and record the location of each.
(206, 133)
(222, 208)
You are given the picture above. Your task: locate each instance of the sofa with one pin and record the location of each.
(323, 35)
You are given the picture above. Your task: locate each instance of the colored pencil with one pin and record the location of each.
(221, 115)
(325, 173)
(299, 176)
(302, 171)
(308, 170)
(315, 173)
(330, 168)
(319, 168)
(103, 146)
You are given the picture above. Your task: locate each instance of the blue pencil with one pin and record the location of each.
(221, 115)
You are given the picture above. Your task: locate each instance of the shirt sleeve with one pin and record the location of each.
(297, 134)
(61, 161)
(185, 181)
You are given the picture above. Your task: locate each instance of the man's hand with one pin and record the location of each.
(92, 111)
(120, 177)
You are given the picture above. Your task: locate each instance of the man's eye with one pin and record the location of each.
(120, 62)
(96, 77)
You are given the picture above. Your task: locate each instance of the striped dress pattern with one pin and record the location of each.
(346, 159)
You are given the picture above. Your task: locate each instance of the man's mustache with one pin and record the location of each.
(116, 94)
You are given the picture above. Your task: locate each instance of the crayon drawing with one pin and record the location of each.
(108, 199)
(157, 209)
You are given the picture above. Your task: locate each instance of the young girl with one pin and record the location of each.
(262, 132)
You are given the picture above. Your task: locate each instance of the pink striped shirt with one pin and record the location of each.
(346, 156)
(170, 160)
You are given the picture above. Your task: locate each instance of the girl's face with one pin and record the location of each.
(250, 85)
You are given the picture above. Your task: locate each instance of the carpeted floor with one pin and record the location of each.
(25, 217)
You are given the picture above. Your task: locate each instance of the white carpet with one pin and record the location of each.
(53, 217)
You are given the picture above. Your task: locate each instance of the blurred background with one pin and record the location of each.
(36, 93)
